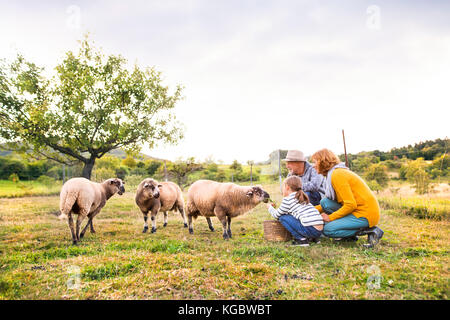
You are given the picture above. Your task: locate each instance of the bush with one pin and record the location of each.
(14, 177)
(378, 173)
(101, 174)
(134, 180)
(122, 172)
(46, 180)
(10, 166)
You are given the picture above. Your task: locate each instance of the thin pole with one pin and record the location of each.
(165, 170)
(279, 169)
(345, 149)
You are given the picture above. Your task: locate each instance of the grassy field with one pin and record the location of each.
(37, 260)
(9, 189)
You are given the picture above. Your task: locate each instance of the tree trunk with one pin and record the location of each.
(87, 169)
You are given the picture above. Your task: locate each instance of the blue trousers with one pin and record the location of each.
(314, 197)
(343, 227)
(298, 231)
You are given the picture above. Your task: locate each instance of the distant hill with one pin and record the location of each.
(119, 153)
(427, 150)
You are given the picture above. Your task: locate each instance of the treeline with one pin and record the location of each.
(428, 150)
(130, 169)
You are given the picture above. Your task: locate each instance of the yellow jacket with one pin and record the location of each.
(355, 196)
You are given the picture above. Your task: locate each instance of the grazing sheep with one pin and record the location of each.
(86, 198)
(154, 197)
(224, 200)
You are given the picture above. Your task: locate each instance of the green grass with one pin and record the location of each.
(120, 262)
(431, 208)
(9, 189)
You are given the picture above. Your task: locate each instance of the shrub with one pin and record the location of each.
(14, 177)
(378, 173)
(46, 180)
(101, 174)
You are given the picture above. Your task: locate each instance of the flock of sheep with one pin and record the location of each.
(205, 198)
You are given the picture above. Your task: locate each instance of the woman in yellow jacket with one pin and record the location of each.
(350, 207)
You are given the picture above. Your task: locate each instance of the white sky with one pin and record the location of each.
(266, 75)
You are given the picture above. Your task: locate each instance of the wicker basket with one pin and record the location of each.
(274, 231)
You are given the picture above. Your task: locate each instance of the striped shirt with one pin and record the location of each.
(305, 213)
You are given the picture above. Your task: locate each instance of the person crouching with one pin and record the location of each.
(297, 214)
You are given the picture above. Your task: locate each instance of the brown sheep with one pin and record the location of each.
(152, 196)
(224, 200)
(86, 198)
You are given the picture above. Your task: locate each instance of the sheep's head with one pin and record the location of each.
(151, 188)
(258, 194)
(116, 185)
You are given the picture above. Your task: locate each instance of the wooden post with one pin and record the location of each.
(279, 170)
(165, 171)
(345, 149)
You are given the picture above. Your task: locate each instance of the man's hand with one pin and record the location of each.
(325, 217)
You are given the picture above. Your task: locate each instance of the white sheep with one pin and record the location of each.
(86, 198)
(223, 200)
(153, 196)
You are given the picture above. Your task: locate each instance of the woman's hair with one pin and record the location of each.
(295, 183)
(325, 160)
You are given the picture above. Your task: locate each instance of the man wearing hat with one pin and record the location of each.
(313, 183)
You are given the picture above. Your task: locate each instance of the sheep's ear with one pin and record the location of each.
(249, 193)
(146, 185)
(112, 182)
(160, 185)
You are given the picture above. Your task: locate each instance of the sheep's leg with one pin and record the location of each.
(229, 226)
(209, 224)
(180, 208)
(165, 219)
(191, 227)
(221, 215)
(145, 222)
(79, 220)
(70, 221)
(92, 225)
(153, 217)
(89, 223)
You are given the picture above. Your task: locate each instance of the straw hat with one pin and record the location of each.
(294, 155)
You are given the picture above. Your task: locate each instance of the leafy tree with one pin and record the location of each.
(129, 162)
(236, 166)
(417, 174)
(378, 173)
(108, 161)
(92, 105)
(180, 170)
(152, 166)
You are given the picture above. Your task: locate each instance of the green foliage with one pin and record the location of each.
(108, 161)
(10, 166)
(14, 178)
(92, 105)
(377, 172)
(46, 180)
(129, 162)
(236, 166)
(152, 166)
(102, 174)
(374, 185)
(180, 170)
(121, 172)
(416, 174)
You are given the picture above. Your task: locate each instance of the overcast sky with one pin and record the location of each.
(266, 75)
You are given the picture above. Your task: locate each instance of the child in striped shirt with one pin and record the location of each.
(296, 214)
